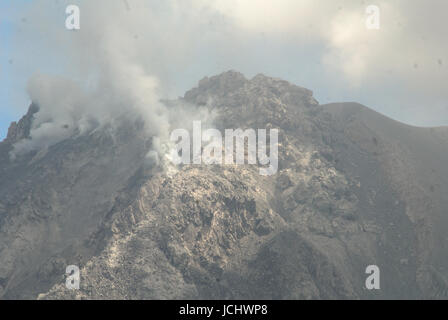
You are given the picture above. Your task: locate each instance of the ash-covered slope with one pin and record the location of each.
(54, 200)
(353, 189)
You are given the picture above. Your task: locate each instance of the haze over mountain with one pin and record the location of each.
(353, 188)
(399, 69)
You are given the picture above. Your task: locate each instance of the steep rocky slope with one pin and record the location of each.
(353, 188)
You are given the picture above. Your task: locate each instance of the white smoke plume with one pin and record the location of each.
(111, 68)
(130, 53)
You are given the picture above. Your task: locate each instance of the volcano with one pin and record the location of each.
(353, 189)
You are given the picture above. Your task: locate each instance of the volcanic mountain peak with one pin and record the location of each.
(232, 83)
(353, 189)
(21, 130)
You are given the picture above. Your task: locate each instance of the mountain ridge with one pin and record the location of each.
(354, 188)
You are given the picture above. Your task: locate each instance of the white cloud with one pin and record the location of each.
(412, 34)
(128, 53)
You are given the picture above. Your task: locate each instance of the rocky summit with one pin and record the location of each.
(353, 189)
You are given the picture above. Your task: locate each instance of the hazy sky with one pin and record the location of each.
(400, 70)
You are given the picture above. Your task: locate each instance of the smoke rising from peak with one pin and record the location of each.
(130, 53)
(111, 69)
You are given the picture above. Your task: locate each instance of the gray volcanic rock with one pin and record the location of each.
(21, 130)
(353, 189)
(53, 200)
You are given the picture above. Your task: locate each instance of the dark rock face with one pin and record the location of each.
(21, 130)
(353, 189)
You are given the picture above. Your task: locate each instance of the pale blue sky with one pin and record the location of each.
(401, 88)
(6, 114)
(13, 99)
